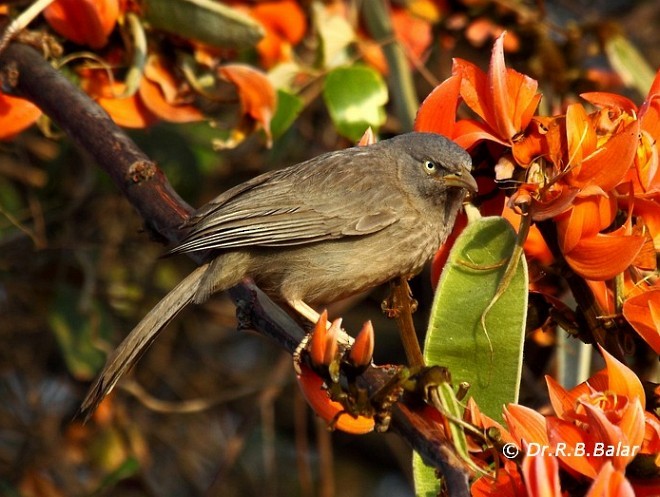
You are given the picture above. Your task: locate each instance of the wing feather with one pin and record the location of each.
(294, 206)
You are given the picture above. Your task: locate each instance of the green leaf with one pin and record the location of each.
(204, 20)
(629, 63)
(355, 97)
(489, 360)
(77, 331)
(288, 108)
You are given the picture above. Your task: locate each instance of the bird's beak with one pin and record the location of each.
(461, 179)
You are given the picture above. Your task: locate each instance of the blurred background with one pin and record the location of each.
(210, 410)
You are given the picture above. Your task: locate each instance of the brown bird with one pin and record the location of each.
(315, 232)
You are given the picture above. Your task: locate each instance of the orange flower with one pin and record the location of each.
(165, 96)
(598, 425)
(285, 25)
(86, 22)
(504, 98)
(128, 112)
(257, 95)
(316, 394)
(16, 114)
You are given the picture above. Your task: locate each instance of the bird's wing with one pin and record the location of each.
(290, 207)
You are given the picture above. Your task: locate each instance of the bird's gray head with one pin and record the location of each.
(433, 166)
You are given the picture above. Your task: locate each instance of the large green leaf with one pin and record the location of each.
(288, 108)
(204, 20)
(473, 291)
(355, 97)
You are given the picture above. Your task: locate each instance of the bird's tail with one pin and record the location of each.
(140, 338)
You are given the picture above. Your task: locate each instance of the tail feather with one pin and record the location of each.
(140, 338)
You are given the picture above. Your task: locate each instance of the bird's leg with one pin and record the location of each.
(400, 306)
(304, 310)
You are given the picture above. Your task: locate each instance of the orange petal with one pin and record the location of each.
(581, 136)
(284, 17)
(331, 346)
(610, 483)
(128, 112)
(622, 379)
(526, 424)
(437, 114)
(507, 483)
(86, 22)
(603, 295)
(541, 476)
(609, 163)
(311, 386)
(561, 399)
(570, 436)
(318, 339)
(16, 114)
(592, 257)
(285, 25)
(412, 31)
(649, 112)
(258, 97)
(603, 99)
(474, 88)
(362, 350)
(514, 97)
(643, 313)
(651, 443)
(585, 219)
(467, 132)
(629, 433)
(160, 93)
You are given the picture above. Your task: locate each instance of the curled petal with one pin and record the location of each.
(128, 112)
(160, 93)
(643, 313)
(514, 97)
(332, 412)
(609, 163)
(256, 92)
(610, 100)
(587, 218)
(437, 114)
(526, 424)
(592, 257)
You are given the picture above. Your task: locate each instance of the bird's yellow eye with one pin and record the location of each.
(429, 166)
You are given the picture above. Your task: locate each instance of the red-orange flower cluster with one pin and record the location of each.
(593, 172)
(597, 430)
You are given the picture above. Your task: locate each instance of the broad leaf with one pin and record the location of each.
(355, 97)
(489, 360)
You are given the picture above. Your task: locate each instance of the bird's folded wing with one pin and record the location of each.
(275, 210)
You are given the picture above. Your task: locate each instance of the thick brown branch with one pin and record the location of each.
(24, 72)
